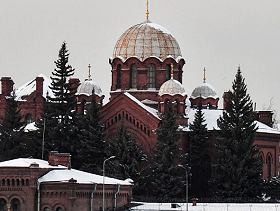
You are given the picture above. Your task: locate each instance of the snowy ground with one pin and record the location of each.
(210, 207)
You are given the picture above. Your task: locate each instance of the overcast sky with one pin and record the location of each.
(215, 34)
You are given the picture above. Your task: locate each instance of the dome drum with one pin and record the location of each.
(122, 77)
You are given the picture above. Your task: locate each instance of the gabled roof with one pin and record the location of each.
(153, 111)
(29, 87)
(64, 175)
(26, 162)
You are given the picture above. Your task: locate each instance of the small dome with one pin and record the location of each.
(86, 87)
(172, 87)
(204, 91)
(147, 39)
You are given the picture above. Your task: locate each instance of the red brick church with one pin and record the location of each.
(147, 69)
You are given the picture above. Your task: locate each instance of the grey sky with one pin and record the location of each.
(215, 34)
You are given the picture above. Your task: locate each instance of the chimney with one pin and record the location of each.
(265, 117)
(7, 86)
(75, 82)
(63, 159)
(39, 84)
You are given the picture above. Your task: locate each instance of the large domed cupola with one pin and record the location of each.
(142, 59)
(206, 94)
(84, 93)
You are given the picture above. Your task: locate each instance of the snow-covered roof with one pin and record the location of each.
(145, 40)
(211, 116)
(30, 127)
(30, 87)
(26, 162)
(86, 87)
(204, 91)
(172, 87)
(64, 175)
(147, 108)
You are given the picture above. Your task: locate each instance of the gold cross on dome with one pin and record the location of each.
(89, 70)
(204, 79)
(147, 13)
(172, 70)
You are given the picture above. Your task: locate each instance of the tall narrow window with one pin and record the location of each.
(28, 118)
(15, 205)
(119, 76)
(180, 74)
(133, 76)
(269, 163)
(151, 76)
(167, 72)
(3, 205)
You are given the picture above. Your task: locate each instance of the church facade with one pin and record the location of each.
(147, 69)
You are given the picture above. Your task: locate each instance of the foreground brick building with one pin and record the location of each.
(28, 184)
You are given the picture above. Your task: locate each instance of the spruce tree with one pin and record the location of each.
(11, 132)
(130, 157)
(168, 179)
(198, 153)
(59, 116)
(92, 146)
(238, 167)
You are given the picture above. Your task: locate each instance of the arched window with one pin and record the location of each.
(46, 209)
(151, 76)
(3, 205)
(269, 165)
(28, 118)
(180, 74)
(15, 205)
(133, 76)
(119, 76)
(59, 209)
(167, 72)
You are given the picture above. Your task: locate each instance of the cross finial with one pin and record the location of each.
(204, 79)
(89, 71)
(171, 70)
(147, 13)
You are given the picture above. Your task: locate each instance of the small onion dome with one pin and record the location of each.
(172, 87)
(145, 40)
(204, 91)
(86, 87)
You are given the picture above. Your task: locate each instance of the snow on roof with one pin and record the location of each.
(64, 175)
(204, 91)
(30, 87)
(211, 116)
(26, 162)
(147, 108)
(172, 87)
(86, 87)
(30, 127)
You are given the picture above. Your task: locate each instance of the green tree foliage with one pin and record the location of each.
(11, 132)
(238, 167)
(168, 179)
(199, 161)
(61, 131)
(130, 157)
(92, 147)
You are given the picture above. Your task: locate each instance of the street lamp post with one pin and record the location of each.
(187, 186)
(104, 179)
